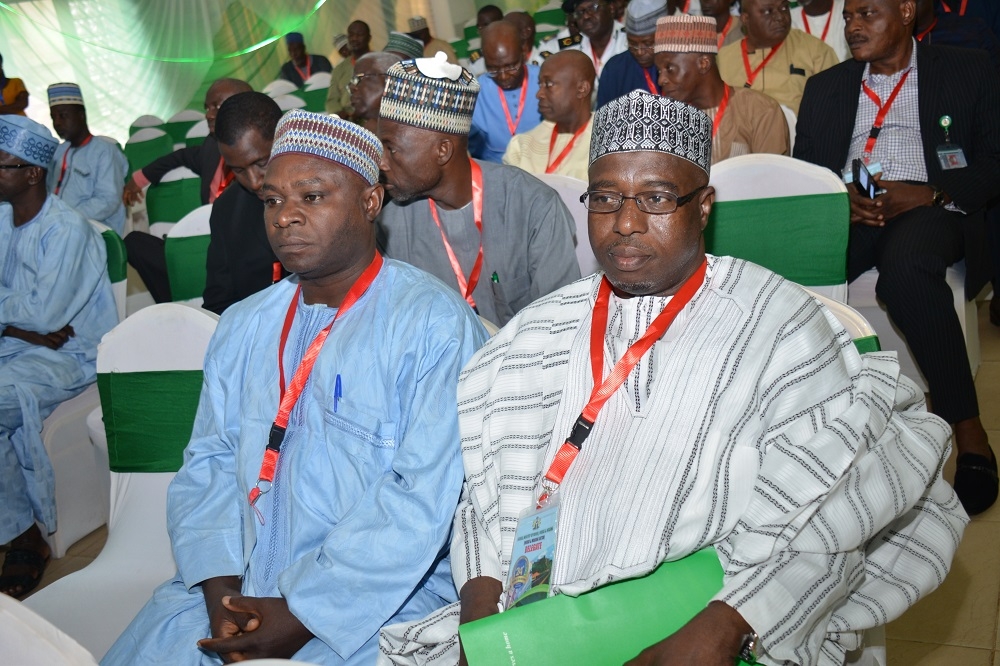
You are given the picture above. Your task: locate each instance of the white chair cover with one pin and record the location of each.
(28, 639)
(569, 190)
(200, 128)
(186, 115)
(287, 102)
(95, 604)
(146, 134)
(194, 223)
(791, 119)
(279, 87)
(147, 121)
(317, 81)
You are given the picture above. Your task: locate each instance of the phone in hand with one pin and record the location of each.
(863, 179)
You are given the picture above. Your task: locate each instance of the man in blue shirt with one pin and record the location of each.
(507, 103)
(352, 528)
(87, 171)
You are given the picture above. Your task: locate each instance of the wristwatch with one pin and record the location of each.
(751, 649)
(938, 199)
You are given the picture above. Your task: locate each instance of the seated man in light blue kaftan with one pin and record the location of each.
(351, 531)
(55, 304)
(87, 171)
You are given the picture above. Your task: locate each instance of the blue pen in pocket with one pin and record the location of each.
(338, 393)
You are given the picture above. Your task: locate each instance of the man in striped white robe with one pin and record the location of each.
(753, 426)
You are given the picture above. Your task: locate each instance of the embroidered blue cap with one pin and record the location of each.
(330, 138)
(65, 93)
(24, 138)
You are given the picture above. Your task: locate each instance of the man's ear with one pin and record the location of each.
(36, 174)
(584, 89)
(705, 200)
(373, 201)
(704, 64)
(445, 150)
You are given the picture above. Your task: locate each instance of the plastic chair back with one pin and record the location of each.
(186, 253)
(784, 214)
(569, 190)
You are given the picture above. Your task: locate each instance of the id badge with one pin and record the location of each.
(529, 578)
(951, 157)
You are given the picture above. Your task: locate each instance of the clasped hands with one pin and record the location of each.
(249, 627)
(898, 197)
(53, 340)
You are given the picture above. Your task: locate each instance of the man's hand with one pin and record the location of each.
(132, 194)
(222, 621)
(270, 632)
(713, 637)
(53, 340)
(479, 599)
(898, 198)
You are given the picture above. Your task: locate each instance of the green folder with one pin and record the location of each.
(609, 625)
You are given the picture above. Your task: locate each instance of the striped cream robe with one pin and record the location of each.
(753, 426)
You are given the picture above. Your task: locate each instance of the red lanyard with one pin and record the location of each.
(720, 112)
(551, 168)
(62, 172)
(883, 110)
(725, 30)
(826, 28)
(466, 287)
(603, 390)
(649, 82)
(287, 399)
(597, 62)
(926, 32)
(304, 77)
(512, 123)
(752, 75)
(961, 10)
(687, 7)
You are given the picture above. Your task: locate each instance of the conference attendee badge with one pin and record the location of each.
(529, 578)
(950, 155)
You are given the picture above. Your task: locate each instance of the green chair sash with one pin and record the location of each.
(315, 99)
(867, 344)
(609, 625)
(148, 417)
(178, 129)
(141, 154)
(169, 202)
(117, 259)
(194, 140)
(186, 258)
(801, 238)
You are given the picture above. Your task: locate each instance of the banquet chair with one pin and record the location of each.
(279, 87)
(147, 145)
(177, 125)
(569, 190)
(196, 135)
(149, 371)
(142, 122)
(177, 194)
(317, 81)
(80, 469)
(186, 250)
(787, 215)
(289, 101)
(864, 336)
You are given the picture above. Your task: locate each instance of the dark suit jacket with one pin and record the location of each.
(960, 83)
(240, 261)
(202, 159)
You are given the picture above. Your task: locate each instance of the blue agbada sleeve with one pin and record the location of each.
(381, 552)
(203, 503)
(108, 166)
(65, 277)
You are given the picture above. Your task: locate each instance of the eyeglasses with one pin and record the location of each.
(509, 69)
(357, 78)
(589, 8)
(655, 203)
(640, 48)
(16, 166)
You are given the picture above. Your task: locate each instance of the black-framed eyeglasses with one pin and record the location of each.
(358, 78)
(500, 71)
(655, 203)
(16, 166)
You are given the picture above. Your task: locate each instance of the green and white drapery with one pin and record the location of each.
(135, 57)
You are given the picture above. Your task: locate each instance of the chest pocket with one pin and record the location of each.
(510, 296)
(368, 439)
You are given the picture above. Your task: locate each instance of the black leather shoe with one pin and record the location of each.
(976, 482)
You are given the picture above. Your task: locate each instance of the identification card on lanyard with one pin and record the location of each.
(950, 155)
(534, 553)
(534, 542)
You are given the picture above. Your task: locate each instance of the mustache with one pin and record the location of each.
(628, 241)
